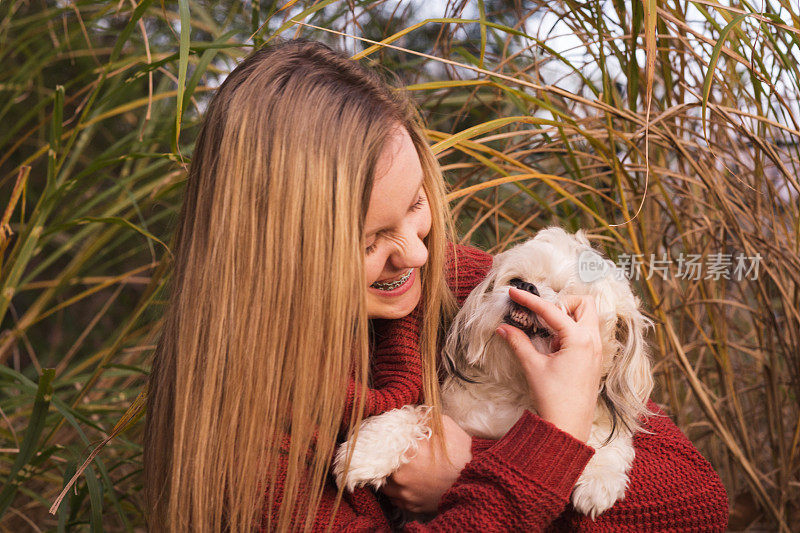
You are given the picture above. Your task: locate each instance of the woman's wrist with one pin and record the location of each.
(576, 422)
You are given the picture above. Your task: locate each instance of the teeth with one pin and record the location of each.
(392, 284)
(521, 319)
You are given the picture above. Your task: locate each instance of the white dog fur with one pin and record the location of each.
(495, 393)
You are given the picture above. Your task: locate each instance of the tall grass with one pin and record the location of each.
(100, 105)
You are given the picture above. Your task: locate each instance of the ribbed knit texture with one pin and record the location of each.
(523, 481)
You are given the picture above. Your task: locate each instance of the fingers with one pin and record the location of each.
(578, 308)
(583, 308)
(554, 317)
(520, 344)
(391, 489)
(399, 496)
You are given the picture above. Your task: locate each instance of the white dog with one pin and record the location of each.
(485, 391)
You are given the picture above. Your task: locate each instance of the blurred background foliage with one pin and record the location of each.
(538, 111)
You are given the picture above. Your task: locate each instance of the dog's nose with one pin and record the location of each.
(524, 286)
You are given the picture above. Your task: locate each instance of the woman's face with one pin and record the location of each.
(398, 219)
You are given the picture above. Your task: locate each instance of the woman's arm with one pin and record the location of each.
(671, 486)
(522, 482)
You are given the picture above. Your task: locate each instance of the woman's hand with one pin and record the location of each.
(418, 485)
(565, 384)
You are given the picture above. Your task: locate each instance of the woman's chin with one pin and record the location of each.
(393, 307)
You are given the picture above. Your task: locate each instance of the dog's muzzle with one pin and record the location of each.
(520, 316)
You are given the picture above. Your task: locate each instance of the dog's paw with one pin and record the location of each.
(383, 444)
(605, 478)
(596, 492)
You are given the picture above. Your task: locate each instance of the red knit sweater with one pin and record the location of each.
(523, 481)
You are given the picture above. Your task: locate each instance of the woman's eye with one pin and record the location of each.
(420, 202)
(416, 207)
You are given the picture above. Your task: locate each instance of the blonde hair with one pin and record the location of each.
(267, 313)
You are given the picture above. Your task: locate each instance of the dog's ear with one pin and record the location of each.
(580, 236)
(464, 345)
(630, 381)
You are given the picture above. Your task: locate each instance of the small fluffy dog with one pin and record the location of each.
(485, 391)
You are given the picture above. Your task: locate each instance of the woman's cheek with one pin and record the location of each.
(371, 270)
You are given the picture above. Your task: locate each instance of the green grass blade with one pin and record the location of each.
(95, 488)
(712, 65)
(28, 448)
(183, 64)
(482, 16)
(123, 223)
(64, 510)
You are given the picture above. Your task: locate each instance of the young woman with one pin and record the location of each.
(313, 281)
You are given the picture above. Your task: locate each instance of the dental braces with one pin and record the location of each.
(393, 284)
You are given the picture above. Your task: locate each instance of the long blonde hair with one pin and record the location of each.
(267, 313)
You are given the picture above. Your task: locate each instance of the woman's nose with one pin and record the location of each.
(412, 253)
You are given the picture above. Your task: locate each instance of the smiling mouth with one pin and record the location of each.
(391, 285)
(522, 318)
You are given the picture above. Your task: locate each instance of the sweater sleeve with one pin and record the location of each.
(672, 487)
